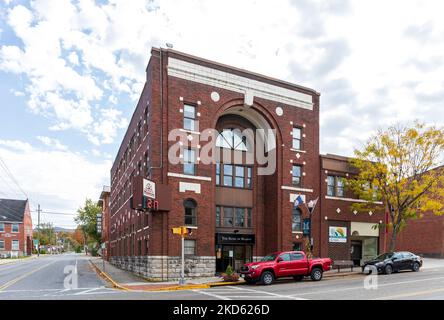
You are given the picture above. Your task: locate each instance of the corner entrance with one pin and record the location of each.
(234, 250)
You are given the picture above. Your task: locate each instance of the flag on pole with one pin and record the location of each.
(298, 201)
(312, 205)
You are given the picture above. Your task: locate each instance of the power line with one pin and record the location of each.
(12, 177)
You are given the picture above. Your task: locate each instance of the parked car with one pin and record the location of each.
(285, 264)
(395, 261)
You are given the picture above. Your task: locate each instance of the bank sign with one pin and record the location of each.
(337, 234)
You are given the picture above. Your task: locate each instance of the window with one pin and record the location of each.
(15, 227)
(296, 179)
(239, 180)
(228, 175)
(189, 166)
(330, 186)
(217, 216)
(2, 227)
(228, 217)
(190, 247)
(296, 221)
(296, 256)
(249, 218)
(297, 246)
(190, 212)
(232, 139)
(217, 174)
(2, 244)
(15, 245)
(189, 116)
(285, 257)
(339, 186)
(240, 217)
(297, 139)
(249, 177)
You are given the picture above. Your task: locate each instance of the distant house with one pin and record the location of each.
(15, 228)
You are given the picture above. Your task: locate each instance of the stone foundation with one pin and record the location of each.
(163, 268)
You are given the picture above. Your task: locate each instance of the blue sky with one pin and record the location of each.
(71, 73)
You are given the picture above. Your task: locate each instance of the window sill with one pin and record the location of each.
(189, 131)
(191, 227)
(296, 150)
(297, 232)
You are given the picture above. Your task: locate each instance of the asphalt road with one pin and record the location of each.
(50, 278)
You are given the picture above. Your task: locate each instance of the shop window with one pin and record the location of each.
(189, 117)
(189, 162)
(190, 247)
(297, 176)
(296, 222)
(297, 145)
(190, 212)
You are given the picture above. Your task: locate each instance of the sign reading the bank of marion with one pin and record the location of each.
(235, 238)
(337, 234)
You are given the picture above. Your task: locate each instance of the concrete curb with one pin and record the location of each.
(190, 287)
(107, 277)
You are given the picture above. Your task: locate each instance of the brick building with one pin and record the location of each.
(104, 201)
(236, 214)
(15, 228)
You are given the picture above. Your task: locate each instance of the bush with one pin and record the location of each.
(230, 275)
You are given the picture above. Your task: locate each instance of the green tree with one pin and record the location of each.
(400, 166)
(87, 221)
(45, 234)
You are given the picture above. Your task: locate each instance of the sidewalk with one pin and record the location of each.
(125, 280)
(16, 260)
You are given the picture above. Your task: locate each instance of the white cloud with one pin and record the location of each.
(53, 143)
(60, 180)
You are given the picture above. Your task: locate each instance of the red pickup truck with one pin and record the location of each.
(285, 264)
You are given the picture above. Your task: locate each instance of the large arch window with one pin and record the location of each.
(232, 139)
(190, 207)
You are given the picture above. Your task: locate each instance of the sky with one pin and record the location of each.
(71, 73)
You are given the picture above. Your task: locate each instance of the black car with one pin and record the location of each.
(393, 262)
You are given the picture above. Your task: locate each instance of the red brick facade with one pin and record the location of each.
(18, 215)
(236, 97)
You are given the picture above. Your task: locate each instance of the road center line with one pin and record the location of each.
(13, 281)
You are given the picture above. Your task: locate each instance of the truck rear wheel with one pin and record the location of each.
(316, 274)
(267, 278)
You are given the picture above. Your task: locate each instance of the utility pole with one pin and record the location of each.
(38, 228)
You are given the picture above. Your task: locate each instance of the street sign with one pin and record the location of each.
(36, 243)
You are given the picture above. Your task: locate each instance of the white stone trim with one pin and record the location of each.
(225, 80)
(297, 189)
(189, 131)
(185, 176)
(187, 186)
(300, 151)
(351, 200)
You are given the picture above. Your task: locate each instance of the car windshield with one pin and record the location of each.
(270, 257)
(385, 256)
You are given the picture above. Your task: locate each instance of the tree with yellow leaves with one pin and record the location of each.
(402, 167)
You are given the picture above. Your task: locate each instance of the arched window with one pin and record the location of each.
(232, 139)
(190, 207)
(296, 224)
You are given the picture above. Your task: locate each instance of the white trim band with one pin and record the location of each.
(185, 176)
(297, 189)
(351, 200)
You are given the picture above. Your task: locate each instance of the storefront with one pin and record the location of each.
(233, 249)
(364, 242)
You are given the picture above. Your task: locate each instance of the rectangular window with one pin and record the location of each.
(190, 247)
(339, 186)
(2, 227)
(190, 216)
(240, 217)
(228, 217)
(228, 175)
(189, 116)
(296, 179)
(2, 244)
(217, 174)
(15, 245)
(189, 166)
(15, 228)
(296, 223)
(330, 186)
(249, 218)
(217, 216)
(249, 177)
(297, 138)
(239, 180)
